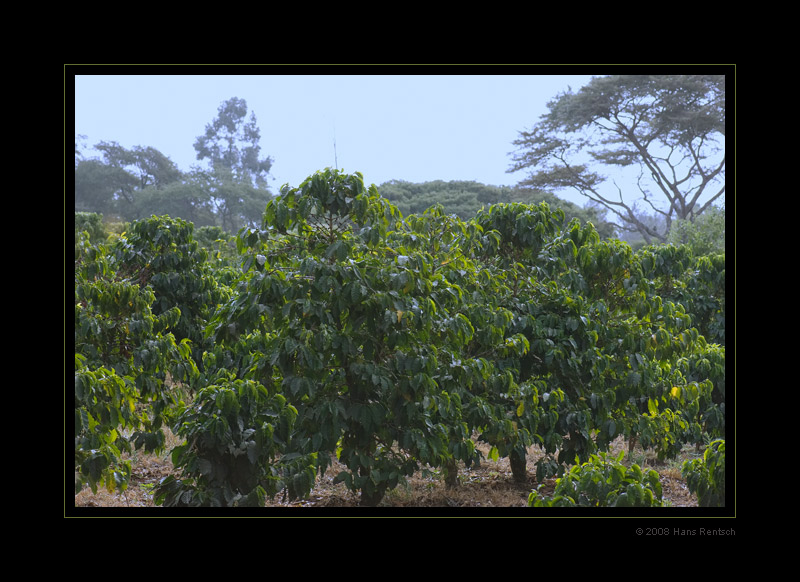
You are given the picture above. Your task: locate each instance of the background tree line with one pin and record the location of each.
(229, 191)
(668, 129)
(466, 198)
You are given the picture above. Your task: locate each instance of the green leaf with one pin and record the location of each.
(252, 452)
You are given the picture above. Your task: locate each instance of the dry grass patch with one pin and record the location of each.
(489, 485)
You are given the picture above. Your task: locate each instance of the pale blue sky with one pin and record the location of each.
(407, 127)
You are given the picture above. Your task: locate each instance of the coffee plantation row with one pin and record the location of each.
(343, 330)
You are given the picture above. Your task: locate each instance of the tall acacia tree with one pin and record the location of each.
(671, 126)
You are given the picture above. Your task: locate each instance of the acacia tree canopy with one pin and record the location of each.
(672, 127)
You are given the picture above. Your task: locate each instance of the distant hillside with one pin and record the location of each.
(465, 198)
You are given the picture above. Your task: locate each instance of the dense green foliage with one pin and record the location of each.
(92, 224)
(465, 199)
(706, 476)
(603, 482)
(124, 353)
(705, 234)
(344, 330)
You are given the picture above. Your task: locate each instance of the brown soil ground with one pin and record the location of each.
(490, 485)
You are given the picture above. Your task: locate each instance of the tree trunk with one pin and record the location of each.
(518, 466)
(370, 500)
(451, 473)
